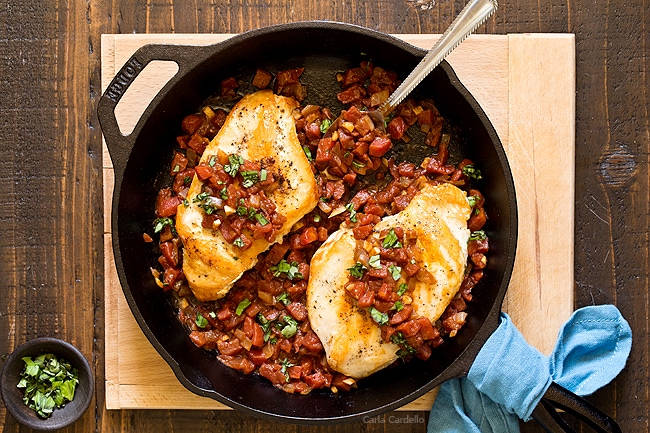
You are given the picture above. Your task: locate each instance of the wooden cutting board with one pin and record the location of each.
(526, 85)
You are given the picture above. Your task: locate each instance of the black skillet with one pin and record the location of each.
(141, 159)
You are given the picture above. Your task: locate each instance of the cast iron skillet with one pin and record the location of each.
(141, 159)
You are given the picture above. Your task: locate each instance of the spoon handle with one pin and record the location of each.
(473, 15)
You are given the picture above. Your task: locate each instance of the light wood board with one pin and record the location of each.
(526, 85)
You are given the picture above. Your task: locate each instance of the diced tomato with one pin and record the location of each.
(427, 331)
(228, 87)
(367, 299)
(312, 131)
(219, 118)
(379, 146)
(229, 347)
(179, 163)
(191, 123)
(257, 356)
(423, 352)
(362, 232)
(426, 117)
(312, 342)
(166, 204)
(323, 151)
(353, 76)
(197, 143)
(409, 328)
(297, 310)
(356, 289)
(309, 235)
(203, 172)
(354, 93)
(239, 363)
(318, 380)
(477, 220)
(262, 78)
(397, 128)
(352, 114)
(273, 373)
(170, 251)
(258, 336)
(170, 276)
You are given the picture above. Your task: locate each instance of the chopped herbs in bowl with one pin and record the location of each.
(47, 384)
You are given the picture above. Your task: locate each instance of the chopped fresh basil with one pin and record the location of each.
(378, 316)
(250, 178)
(224, 193)
(187, 180)
(472, 199)
(260, 219)
(234, 161)
(242, 306)
(402, 289)
(284, 267)
(160, 223)
(284, 298)
(357, 165)
(308, 153)
(324, 125)
(290, 328)
(374, 261)
(353, 213)
(212, 161)
(395, 272)
(266, 326)
(397, 306)
(472, 172)
(357, 270)
(391, 240)
(49, 383)
(478, 235)
(200, 197)
(405, 347)
(201, 321)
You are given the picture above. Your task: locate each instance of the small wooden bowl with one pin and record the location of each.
(13, 396)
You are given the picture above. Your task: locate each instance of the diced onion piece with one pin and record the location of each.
(228, 210)
(208, 112)
(246, 342)
(265, 297)
(348, 125)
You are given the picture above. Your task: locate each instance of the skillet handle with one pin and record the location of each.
(558, 397)
(119, 145)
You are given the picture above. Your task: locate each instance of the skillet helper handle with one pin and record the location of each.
(558, 397)
(119, 145)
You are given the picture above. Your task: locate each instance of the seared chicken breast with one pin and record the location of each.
(260, 126)
(437, 216)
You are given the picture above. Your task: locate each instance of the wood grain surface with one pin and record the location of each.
(51, 178)
(491, 67)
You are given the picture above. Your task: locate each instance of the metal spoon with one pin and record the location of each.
(473, 15)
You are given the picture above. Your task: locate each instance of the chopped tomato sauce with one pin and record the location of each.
(261, 326)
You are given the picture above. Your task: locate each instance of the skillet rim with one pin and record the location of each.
(458, 367)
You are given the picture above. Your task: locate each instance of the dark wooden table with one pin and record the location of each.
(51, 218)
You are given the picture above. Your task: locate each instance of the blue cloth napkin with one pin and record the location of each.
(509, 377)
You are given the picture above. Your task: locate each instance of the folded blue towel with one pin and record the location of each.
(509, 377)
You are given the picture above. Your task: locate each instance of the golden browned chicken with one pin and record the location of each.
(437, 216)
(259, 127)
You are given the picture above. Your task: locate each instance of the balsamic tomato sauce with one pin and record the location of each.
(261, 326)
